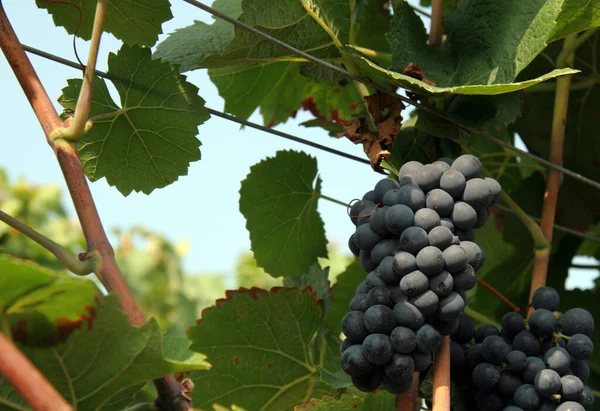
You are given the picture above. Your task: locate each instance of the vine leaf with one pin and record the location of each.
(576, 16)
(279, 201)
(133, 21)
(342, 292)
(101, 366)
(337, 380)
(42, 307)
(151, 139)
(318, 279)
(380, 401)
(261, 345)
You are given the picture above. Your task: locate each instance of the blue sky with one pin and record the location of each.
(201, 207)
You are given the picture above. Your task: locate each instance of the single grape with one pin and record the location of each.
(465, 235)
(478, 193)
(359, 303)
(412, 196)
(486, 376)
(426, 302)
(450, 307)
(410, 167)
(547, 382)
(409, 179)
(527, 397)
(508, 384)
(430, 260)
(363, 288)
(347, 343)
(384, 248)
(427, 219)
(443, 163)
(366, 238)
(383, 186)
(368, 382)
(534, 365)
(414, 283)
(387, 273)
(465, 279)
(364, 217)
(400, 367)
(587, 397)
(422, 360)
(455, 258)
(546, 297)
(557, 359)
(453, 182)
(473, 355)
(468, 165)
(398, 218)
(397, 295)
(377, 348)
(542, 322)
(496, 190)
(428, 177)
(403, 340)
(494, 349)
(392, 198)
(404, 263)
(357, 207)
(354, 362)
(378, 319)
(474, 254)
(377, 221)
(441, 284)
(571, 389)
(407, 315)
(440, 237)
(397, 386)
(448, 223)
(463, 215)
(374, 280)
(527, 342)
(352, 246)
(439, 201)
(580, 369)
(516, 361)
(570, 406)
(369, 196)
(365, 261)
(485, 331)
(378, 295)
(445, 327)
(353, 326)
(577, 321)
(482, 217)
(457, 355)
(428, 339)
(465, 331)
(413, 239)
(512, 323)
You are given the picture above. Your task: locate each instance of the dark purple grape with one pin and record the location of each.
(407, 315)
(557, 359)
(580, 369)
(445, 327)
(465, 279)
(577, 321)
(468, 165)
(570, 406)
(365, 261)
(359, 303)
(527, 397)
(450, 307)
(571, 389)
(507, 384)
(354, 362)
(352, 246)
(587, 397)
(463, 215)
(363, 288)
(478, 193)
(368, 382)
(383, 186)
(455, 258)
(534, 365)
(426, 302)
(486, 376)
(359, 206)
(547, 382)
(404, 263)
(378, 319)
(439, 201)
(422, 360)
(580, 346)
(398, 218)
(374, 280)
(512, 324)
(516, 361)
(465, 235)
(403, 340)
(387, 272)
(546, 297)
(446, 222)
(400, 367)
(397, 386)
(377, 221)
(496, 190)
(428, 177)
(441, 284)
(378, 295)
(369, 196)
(542, 322)
(440, 237)
(465, 331)
(426, 219)
(413, 240)
(428, 339)
(430, 260)
(494, 349)
(473, 356)
(365, 238)
(414, 283)
(457, 355)
(527, 342)
(347, 343)
(453, 182)
(474, 254)
(384, 248)
(482, 217)
(410, 167)
(485, 331)
(377, 348)
(353, 326)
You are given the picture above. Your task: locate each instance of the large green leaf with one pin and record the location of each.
(189, 46)
(279, 200)
(151, 139)
(342, 292)
(576, 15)
(133, 21)
(317, 279)
(261, 345)
(40, 306)
(100, 367)
(380, 401)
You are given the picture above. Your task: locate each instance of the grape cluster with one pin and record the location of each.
(533, 364)
(414, 237)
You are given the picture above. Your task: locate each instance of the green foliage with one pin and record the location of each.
(576, 16)
(134, 21)
(40, 307)
(101, 366)
(342, 292)
(279, 200)
(149, 141)
(262, 348)
(381, 401)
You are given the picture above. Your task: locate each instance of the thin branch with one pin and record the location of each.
(383, 89)
(498, 294)
(441, 376)
(333, 200)
(566, 56)
(62, 254)
(66, 153)
(559, 120)
(436, 29)
(84, 102)
(408, 401)
(539, 240)
(27, 380)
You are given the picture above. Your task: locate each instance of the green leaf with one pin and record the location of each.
(42, 307)
(342, 292)
(133, 21)
(102, 366)
(576, 16)
(279, 201)
(372, 20)
(151, 139)
(394, 79)
(333, 128)
(380, 401)
(337, 380)
(190, 45)
(260, 344)
(318, 279)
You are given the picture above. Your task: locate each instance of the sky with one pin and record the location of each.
(201, 207)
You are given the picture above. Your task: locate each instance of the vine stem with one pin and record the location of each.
(408, 400)
(27, 380)
(559, 120)
(498, 294)
(63, 255)
(436, 30)
(441, 376)
(169, 390)
(84, 102)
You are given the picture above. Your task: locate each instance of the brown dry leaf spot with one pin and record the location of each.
(415, 71)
